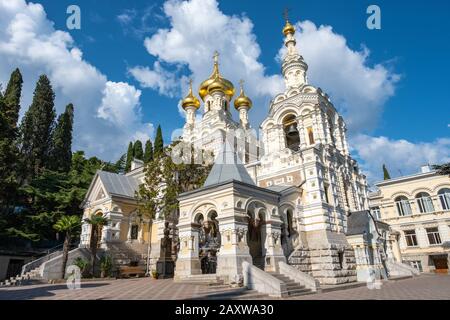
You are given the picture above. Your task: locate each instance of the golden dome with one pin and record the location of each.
(216, 82)
(288, 28)
(190, 100)
(242, 101)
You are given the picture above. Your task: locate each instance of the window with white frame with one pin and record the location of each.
(424, 202)
(433, 236)
(375, 212)
(403, 206)
(411, 238)
(417, 264)
(444, 198)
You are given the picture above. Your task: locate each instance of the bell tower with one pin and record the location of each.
(305, 146)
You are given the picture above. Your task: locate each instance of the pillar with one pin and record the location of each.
(188, 262)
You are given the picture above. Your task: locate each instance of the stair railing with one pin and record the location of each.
(50, 254)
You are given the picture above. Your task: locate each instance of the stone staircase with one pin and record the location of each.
(205, 279)
(29, 277)
(225, 292)
(292, 288)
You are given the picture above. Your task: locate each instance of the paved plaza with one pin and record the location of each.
(423, 287)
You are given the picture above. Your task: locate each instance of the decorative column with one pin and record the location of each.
(274, 250)
(188, 261)
(234, 249)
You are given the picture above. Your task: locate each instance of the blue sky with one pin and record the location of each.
(394, 100)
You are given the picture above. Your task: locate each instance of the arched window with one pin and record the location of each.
(403, 206)
(310, 135)
(424, 202)
(444, 197)
(291, 134)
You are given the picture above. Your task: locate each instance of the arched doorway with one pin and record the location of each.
(289, 233)
(209, 241)
(256, 235)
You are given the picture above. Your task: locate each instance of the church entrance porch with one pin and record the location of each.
(209, 242)
(256, 235)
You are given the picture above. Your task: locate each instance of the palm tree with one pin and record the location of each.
(96, 222)
(69, 225)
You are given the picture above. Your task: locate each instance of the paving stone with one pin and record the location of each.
(423, 287)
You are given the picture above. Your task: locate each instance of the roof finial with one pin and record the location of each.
(286, 14)
(190, 85)
(216, 57)
(241, 83)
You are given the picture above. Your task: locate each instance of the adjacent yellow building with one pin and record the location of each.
(417, 207)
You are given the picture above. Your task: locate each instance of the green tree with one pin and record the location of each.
(442, 169)
(386, 174)
(12, 95)
(130, 155)
(69, 225)
(61, 152)
(97, 222)
(148, 154)
(159, 143)
(51, 195)
(138, 152)
(37, 126)
(176, 178)
(120, 164)
(9, 152)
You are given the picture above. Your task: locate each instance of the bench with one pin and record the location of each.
(126, 271)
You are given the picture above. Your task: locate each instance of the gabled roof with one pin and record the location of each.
(118, 184)
(228, 167)
(114, 184)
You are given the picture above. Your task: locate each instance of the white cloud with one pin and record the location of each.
(401, 157)
(358, 90)
(29, 41)
(157, 78)
(120, 104)
(191, 43)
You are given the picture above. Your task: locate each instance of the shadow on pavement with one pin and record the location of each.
(40, 291)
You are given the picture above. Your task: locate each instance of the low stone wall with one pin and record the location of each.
(51, 269)
(256, 279)
(299, 277)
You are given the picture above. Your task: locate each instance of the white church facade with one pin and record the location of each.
(280, 204)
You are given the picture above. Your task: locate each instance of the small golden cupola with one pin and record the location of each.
(288, 27)
(242, 101)
(190, 100)
(216, 82)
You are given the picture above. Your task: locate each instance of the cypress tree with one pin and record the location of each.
(11, 105)
(9, 152)
(61, 152)
(37, 126)
(138, 152)
(159, 143)
(386, 173)
(129, 157)
(148, 154)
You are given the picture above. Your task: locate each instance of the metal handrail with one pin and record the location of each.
(51, 253)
